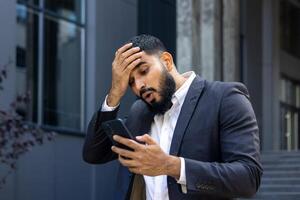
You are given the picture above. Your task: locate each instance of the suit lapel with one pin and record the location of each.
(186, 113)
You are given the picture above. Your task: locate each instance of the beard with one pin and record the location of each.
(167, 89)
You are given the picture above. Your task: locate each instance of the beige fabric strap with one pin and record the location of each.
(138, 188)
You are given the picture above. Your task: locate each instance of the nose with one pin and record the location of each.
(139, 84)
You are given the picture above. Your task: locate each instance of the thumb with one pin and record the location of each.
(147, 139)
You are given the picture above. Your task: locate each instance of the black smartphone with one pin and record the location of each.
(117, 127)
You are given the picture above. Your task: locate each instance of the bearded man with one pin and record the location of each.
(195, 139)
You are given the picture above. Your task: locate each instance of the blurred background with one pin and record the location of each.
(60, 51)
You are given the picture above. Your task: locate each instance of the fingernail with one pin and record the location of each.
(138, 137)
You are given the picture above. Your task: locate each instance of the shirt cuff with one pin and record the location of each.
(182, 178)
(106, 108)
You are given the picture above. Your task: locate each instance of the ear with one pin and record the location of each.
(167, 59)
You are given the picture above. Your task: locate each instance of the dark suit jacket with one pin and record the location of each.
(216, 133)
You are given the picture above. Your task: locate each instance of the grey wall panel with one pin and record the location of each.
(116, 22)
(54, 171)
(105, 175)
(72, 180)
(7, 49)
(7, 53)
(251, 30)
(35, 177)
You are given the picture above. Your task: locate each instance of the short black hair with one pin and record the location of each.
(148, 43)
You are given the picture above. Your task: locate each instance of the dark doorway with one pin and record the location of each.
(158, 18)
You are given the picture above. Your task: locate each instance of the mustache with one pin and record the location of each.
(143, 90)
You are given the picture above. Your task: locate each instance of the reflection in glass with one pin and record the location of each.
(70, 9)
(290, 27)
(28, 2)
(290, 111)
(27, 57)
(62, 65)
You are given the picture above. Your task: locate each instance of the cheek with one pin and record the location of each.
(154, 81)
(134, 90)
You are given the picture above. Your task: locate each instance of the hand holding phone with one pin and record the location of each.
(117, 127)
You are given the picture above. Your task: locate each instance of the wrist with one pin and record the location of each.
(112, 99)
(173, 165)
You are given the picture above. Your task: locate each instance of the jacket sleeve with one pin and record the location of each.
(239, 173)
(97, 146)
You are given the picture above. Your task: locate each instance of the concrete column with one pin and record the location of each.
(210, 39)
(231, 40)
(198, 37)
(184, 35)
(271, 72)
(188, 35)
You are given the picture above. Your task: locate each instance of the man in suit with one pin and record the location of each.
(195, 139)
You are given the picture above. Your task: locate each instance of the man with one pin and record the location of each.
(195, 139)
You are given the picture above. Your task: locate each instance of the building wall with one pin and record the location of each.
(251, 53)
(55, 170)
(7, 50)
(7, 55)
(116, 23)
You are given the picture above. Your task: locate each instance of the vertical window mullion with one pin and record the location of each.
(82, 81)
(40, 64)
(82, 92)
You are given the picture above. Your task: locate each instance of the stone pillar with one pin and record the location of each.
(208, 34)
(185, 27)
(210, 40)
(231, 40)
(198, 37)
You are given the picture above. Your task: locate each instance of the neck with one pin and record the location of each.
(179, 80)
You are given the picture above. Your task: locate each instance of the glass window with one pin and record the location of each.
(62, 65)
(27, 57)
(282, 90)
(290, 27)
(49, 57)
(70, 9)
(29, 2)
(290, 111)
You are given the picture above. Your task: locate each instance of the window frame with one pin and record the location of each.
(42, 13)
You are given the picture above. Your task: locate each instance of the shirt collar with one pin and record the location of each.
(181, 92)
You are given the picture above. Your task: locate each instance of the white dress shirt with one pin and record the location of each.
(162, 130)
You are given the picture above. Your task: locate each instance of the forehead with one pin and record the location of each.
(147, 59)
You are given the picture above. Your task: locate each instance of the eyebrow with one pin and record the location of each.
(140, 64)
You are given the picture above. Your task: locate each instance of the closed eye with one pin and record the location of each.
(144, 71)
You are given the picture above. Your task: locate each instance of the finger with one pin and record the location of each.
(128, 53)
(147, 139)
(131, 58)
(132, 65)
(128, 142)
(122, 152)
(127, 162)
(135, 170)
(122, 49)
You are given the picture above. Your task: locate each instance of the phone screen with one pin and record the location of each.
(117, 127)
